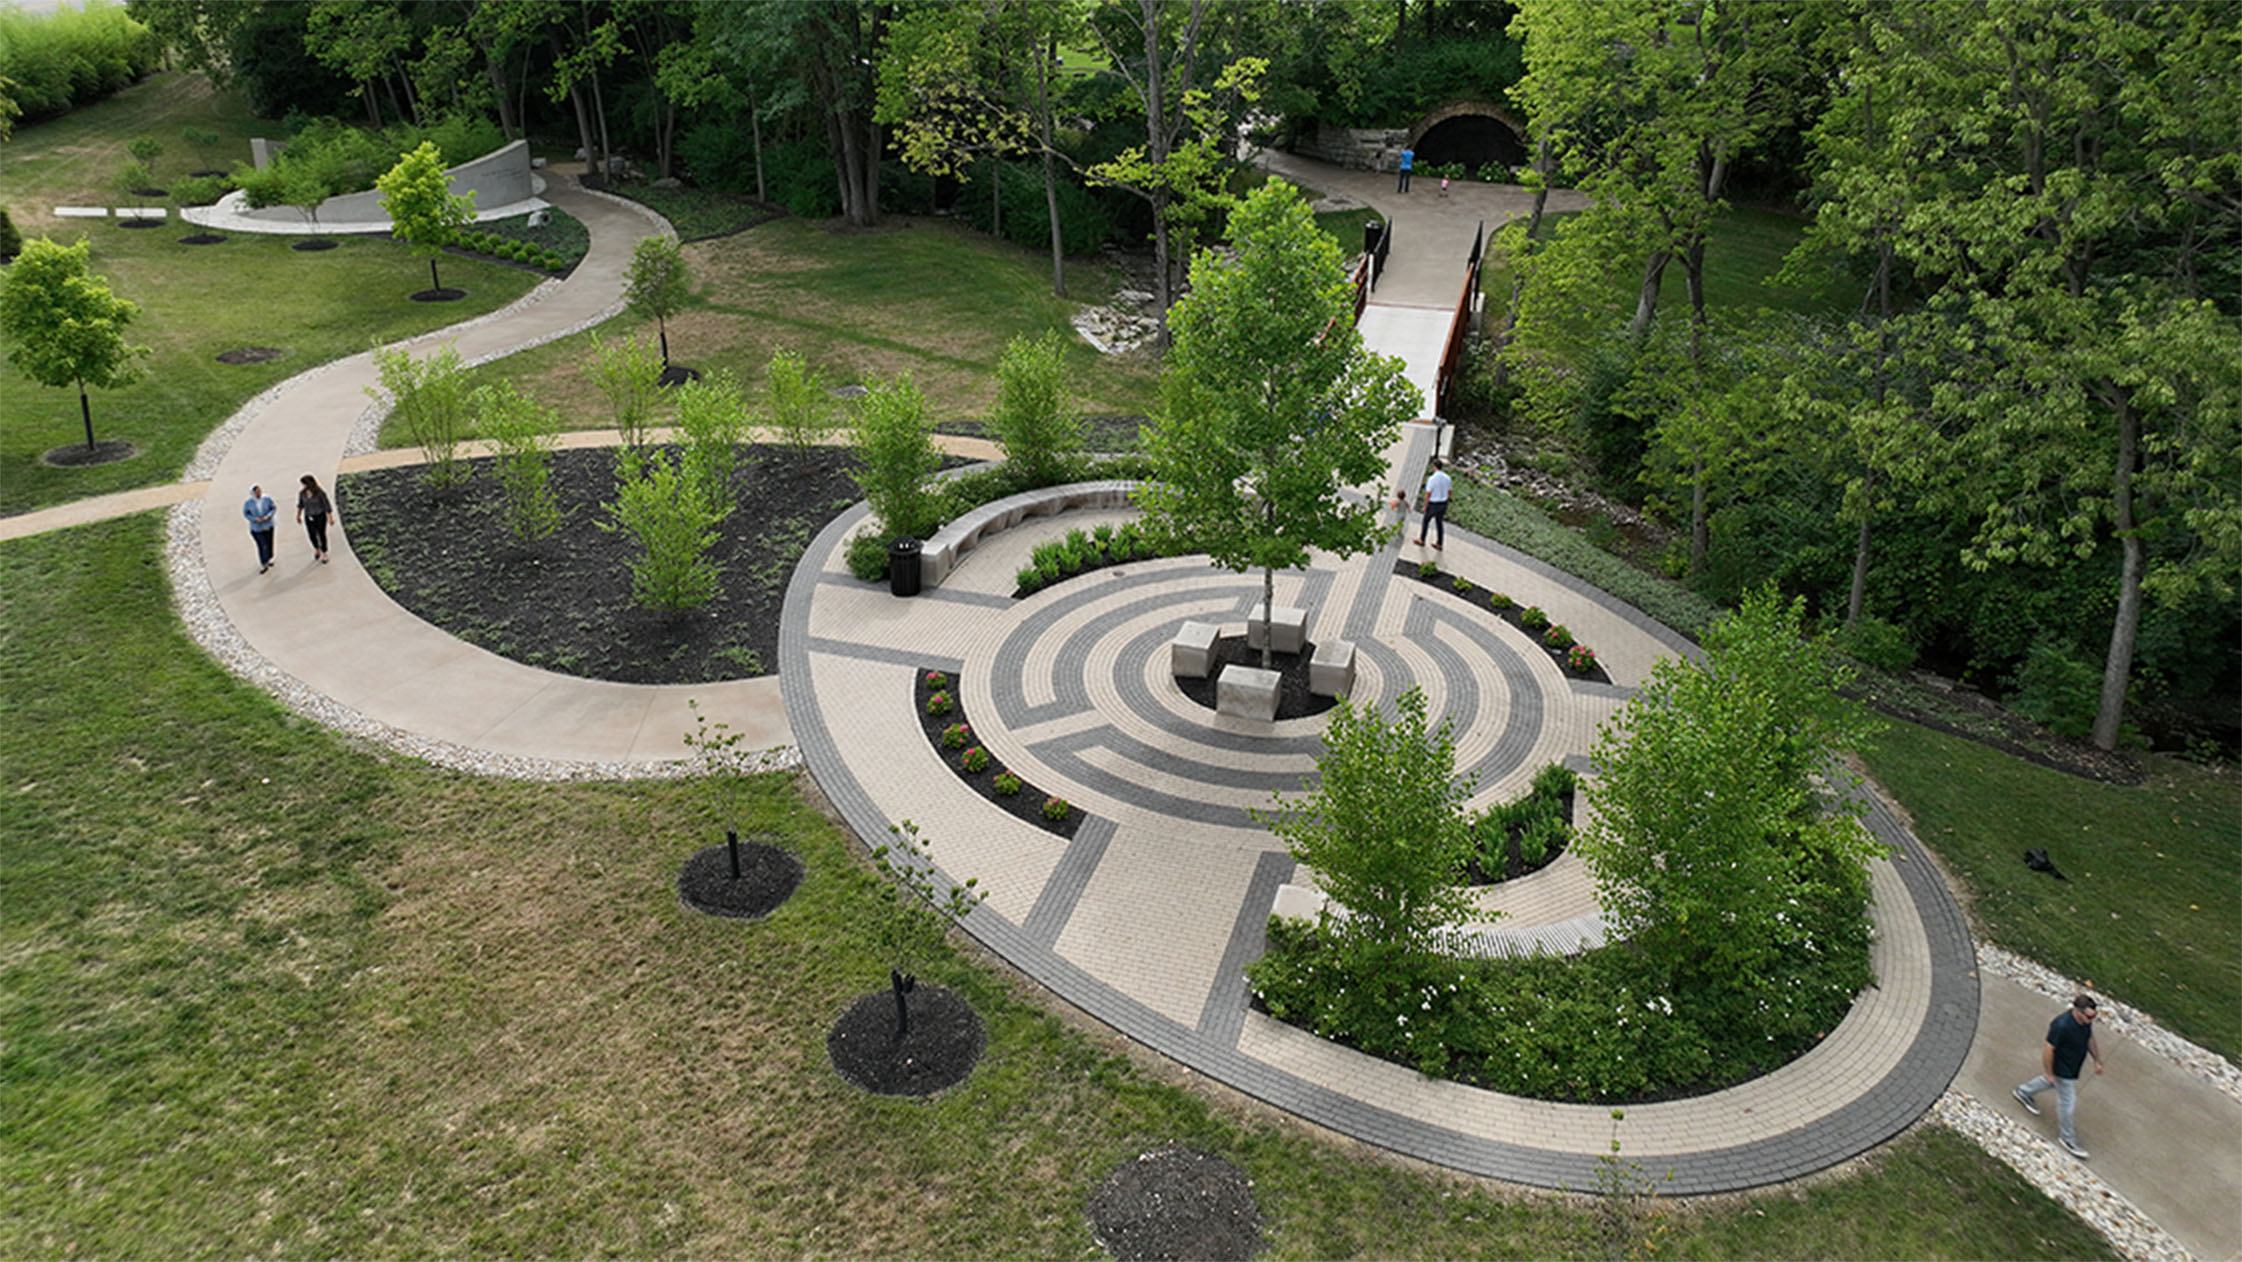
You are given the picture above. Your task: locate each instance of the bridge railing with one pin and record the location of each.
(1459, 325)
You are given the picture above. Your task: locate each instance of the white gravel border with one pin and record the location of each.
(2131, 1023)
(2066, 1180)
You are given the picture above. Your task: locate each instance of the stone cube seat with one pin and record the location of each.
(1247, 692)
(1331, 672)
(1191, 653)
(1288, 629)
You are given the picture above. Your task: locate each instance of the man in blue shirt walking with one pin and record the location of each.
(2070, 1040)
(258, 509)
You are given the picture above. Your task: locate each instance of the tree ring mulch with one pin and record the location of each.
(677, 375)
(251, 355)
(1176, 1202)
(201, 238)
(315, 244)
(768, 877)
(1294, 701)
(945, 1042)
(151, 192)
(80, 456)
(446, 294)
(140, 223)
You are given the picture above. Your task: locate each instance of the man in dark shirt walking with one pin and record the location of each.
(2070, 1040)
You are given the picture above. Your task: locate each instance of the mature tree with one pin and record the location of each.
(368, 40)
(2080, 232)
(1272, 412)
(830, 46)
(967, 80)
(1712, 827)
(68, 329)
(423, 210)
(657, 285)
(1385, 829)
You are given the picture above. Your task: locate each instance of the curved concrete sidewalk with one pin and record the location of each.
(330, 641)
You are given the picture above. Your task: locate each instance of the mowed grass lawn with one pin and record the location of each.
(929, 298)
(196, 302)
(263, 991)
(2150, 912)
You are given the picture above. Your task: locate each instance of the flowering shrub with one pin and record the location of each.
(1428, 569)
(1581, 658)
(1055, 809)
(956, 735)
(1558, 638)
(974, 760)
(1007, 784)
(1532, 618)
(937, 680)
(1461, 584)
(940, 703)
(1499, 601)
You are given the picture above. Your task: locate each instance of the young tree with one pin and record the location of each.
(898, 455)
(801, 409)
(712, 418)
(1035, 420)
(1712, 827)
(67, 328)
(1385, 829)
(665, 512)
(1272, 411)
(918, 914)
(430, 400)
(628, 377)
(523, 431)
(145, 150)
(657, 285)
(423, 211)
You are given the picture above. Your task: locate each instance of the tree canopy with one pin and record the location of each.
(66, 326)
(423, 211)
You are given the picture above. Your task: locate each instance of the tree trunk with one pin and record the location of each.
(755, 127)
(1156, 150)
(1646, 302)
(996, 196)
(1859, 593)
(1050, 169)
(2117, 667)
(902, 984)
(509, 122)
(1268, 611)
(433, 283)
(85, 413)
(1518, 265)
(1699, 529)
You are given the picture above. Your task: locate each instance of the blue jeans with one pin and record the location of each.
(2066, 1102)
(264, 546)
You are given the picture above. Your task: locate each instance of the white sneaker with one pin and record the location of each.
(2073, 1149)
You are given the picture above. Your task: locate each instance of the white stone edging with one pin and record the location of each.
(2066, 1180)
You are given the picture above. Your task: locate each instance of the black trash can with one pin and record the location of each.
(1373, 232)
(903, 567)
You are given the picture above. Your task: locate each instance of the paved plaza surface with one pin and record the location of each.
(1146, 916)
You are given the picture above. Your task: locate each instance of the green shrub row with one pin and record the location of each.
(1537, 822)
(1106, 544)
(54, 62)
(518, 251)
(1509, 520)
(961, 493)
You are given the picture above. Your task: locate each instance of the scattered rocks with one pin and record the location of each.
(2064, 1178)
(1130, 322)
(849, 392)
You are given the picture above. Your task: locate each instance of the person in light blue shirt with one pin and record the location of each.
(1408, 160)
(258, 510)
(1436, 505)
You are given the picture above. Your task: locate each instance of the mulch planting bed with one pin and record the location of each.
(564, 603)
(79, 456)
(1513, 614)
(767, 877)
(141, 223)
(945, 1042)
(251, 355)
(314, 245)
(1027, 804)
(202, 238)
(446, 294)
(1176, 1202)
(1294, 701)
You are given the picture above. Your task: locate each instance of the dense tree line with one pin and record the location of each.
(2020, 446)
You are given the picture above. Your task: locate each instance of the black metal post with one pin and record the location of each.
(732, 842)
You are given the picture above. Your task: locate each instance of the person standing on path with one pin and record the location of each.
(258, 510)
(2070, 1040)
(313, 510)
(1436, 505)
(1408, 159)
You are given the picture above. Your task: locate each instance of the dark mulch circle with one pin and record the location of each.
(1294, 701)
(446, 294)
(204, 175)
(564, 603)
(767, 878)
(1026, 805)
(201, 238)
(1176, 1202)
(678, 375)
(314, 245)
(80, 456)
(1513, 614)
(945, 1042)
(151, 192)
(140, 223)
(251, 355)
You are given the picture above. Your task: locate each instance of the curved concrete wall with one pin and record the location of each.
(499, 178)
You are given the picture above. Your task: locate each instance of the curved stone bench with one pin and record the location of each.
(941, 554)
(1477, 940)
